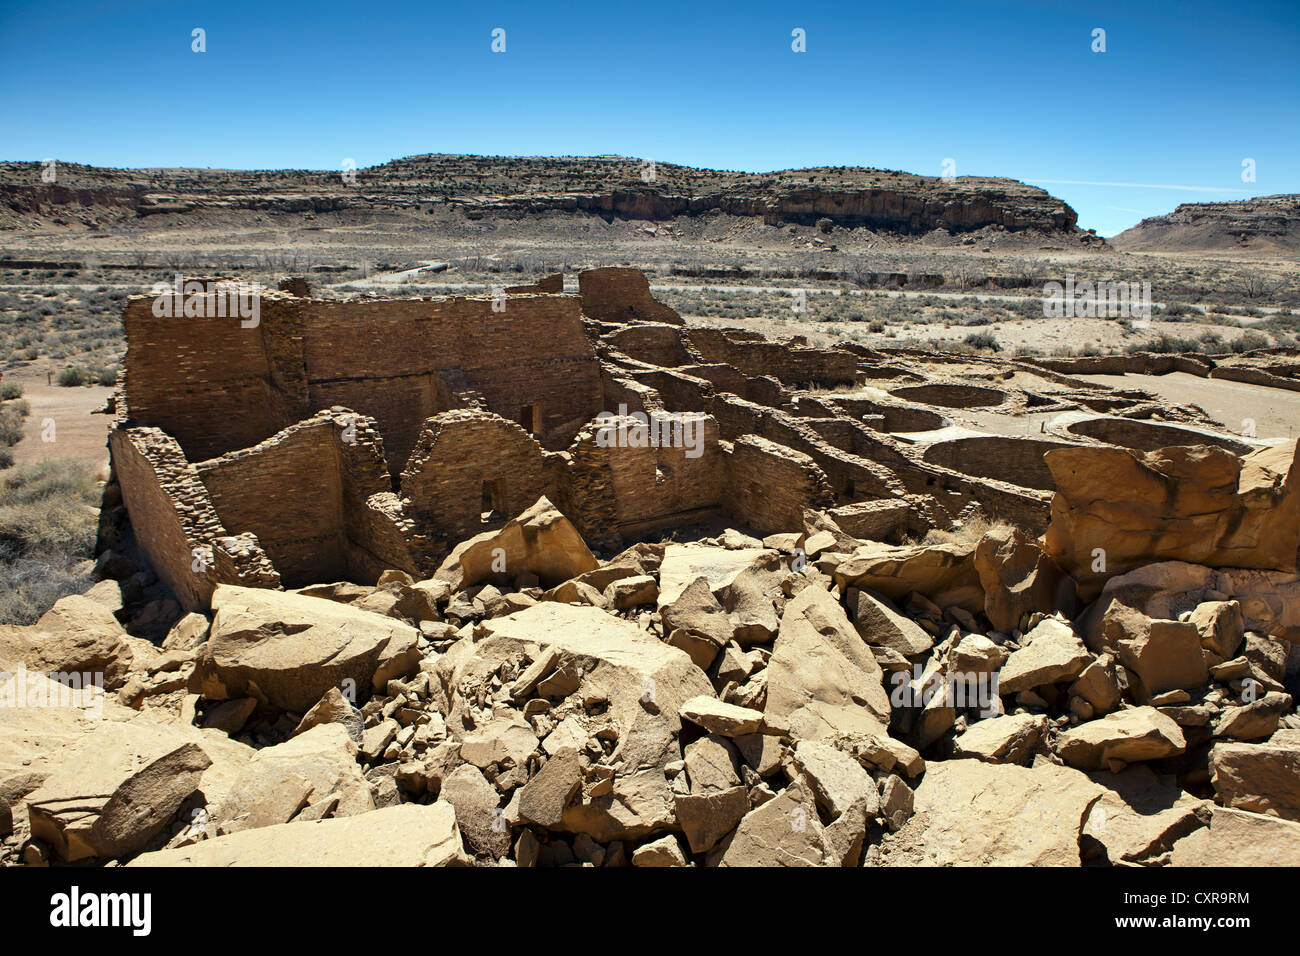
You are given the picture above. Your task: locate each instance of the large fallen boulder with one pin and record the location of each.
(77, 635)
(1139, 817)
(683, 563)
(409, 834)
(822, 679)
(288, 650)
(1018, 579)
(944, 573)
(1127, 736)
(972, 813)
(1115, 509)
(1261, 777)
(541, 541)
(115, 790)
(1049, 653)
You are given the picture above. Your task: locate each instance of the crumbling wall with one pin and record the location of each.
(468, 462)
(654, 344)
(768, 486)
(175, 523)
(648, 486)
(792, 365)
(620, 295)
(217, 387)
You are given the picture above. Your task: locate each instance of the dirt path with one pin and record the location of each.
(63, 414)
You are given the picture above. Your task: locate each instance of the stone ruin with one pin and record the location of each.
(335, 440)
(849, 608)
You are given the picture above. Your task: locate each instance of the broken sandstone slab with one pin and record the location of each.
(1260, 777)
(972, 813)
(540, 541)
(1049, 653)
(683, 563)
(944, 573)
(1127, 736)
(115, 790)
(1007, 739)
(288, 650)
(1194, 503)
(1238, 838)
(409, 834)
(76, 635)
(1019, 579)
(1140, 816)
(822, 679)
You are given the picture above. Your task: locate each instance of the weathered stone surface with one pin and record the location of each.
(1049, 653)
(784, 831)
(1007, 739)
(1238, 838)
(945, 573)
(409, 834)
(288, 650)
(662, 852)
(706, 818)
(1140, 816)
(683, 563)
(837, 780)
(546, 795)
(1098, 685)
(822, 679)
(718, 717)
(539, 541)
(115, 790)
(749, 599)
(1189, 503)
(1221, 627)
(697, 623)
(1019, 579)
(1128, 736)
(1260, 777)
(1255, 720)
(333, 708)
(1161, 656)
(972, 813)
(882, 626)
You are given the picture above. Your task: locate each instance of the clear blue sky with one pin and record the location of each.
(1184, 92)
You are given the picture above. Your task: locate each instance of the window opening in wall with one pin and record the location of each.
(491, 507)
(530, 418)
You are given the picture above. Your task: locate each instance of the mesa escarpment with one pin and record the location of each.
(547, 579)
(611, 187)
(1260, 225)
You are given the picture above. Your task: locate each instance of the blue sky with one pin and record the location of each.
(1183, 94)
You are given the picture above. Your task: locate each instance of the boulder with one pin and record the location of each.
(1007, 739)
(665, 851)
(1196, 503)
(749, 599)
(409, 834)
(881, 626)
(115, 790)
(705, 818)
(944, 573)
(972, 813)
(697, 623)
(837, 780)
(1238, 838)
(822, 679)
(1255, 720)
(1161, 656)
(1260, 777)
(784, 831)
(683, 563)
(1051, 652)
(76, 635)
(288, 650)
(1127, 736)
(540, 541)
(1019, 579)
(1139, 817)
(1221, 627)
(718, 717)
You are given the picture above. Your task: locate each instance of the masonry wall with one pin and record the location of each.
(768, 486)
(468, 458)
(287, 491)
(792, 365)
(217, 387)
(622, 295)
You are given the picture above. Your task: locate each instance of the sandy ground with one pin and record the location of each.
(1276, 412)
(77, 433)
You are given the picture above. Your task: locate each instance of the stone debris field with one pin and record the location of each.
(553, 579)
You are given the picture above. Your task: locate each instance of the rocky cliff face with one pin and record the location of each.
(610, 187)
(1262, 224)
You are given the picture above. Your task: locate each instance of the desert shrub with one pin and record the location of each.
(6, 458)
(10, 390)
(70, 377)
(982, 340)
(48, 517)
(1250, 339)
(11, 426)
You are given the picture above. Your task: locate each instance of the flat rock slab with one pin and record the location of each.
(683, 563)
(409, 834)
(1238, 838)
(972, 813)
(1132, 735)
